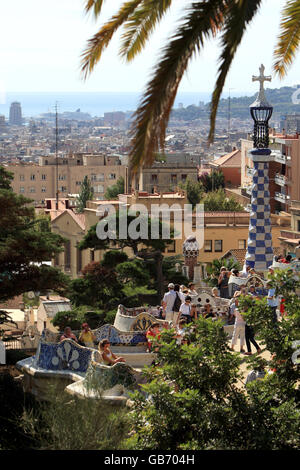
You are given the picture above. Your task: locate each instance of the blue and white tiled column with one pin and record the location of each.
(259, 250)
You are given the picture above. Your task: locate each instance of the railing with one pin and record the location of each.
(279, 157)
(282, 198)
(249, 172)
(280, 179)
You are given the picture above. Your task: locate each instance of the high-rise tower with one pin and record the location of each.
(15, 114)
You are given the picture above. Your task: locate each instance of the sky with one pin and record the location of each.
(41, 43)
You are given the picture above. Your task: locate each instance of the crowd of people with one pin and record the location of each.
(179, 307)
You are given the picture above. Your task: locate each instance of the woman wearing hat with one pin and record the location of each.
(87, 336)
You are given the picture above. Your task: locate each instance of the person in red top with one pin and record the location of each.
(152, 333)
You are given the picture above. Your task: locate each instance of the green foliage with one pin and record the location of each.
(113, 191)
(194, 191)
(23, 249)
(133, 272)
(169, 270)
(217, 201)
(212, 181)
(98, 285)
(112, 258)
(213, 269)
(70, 423)
(193, 399)
(12, 404)
(86, 194)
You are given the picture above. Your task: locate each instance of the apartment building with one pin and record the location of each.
(222, 231)
(40, 181)
(290, 237)
(165, 176)
(284, 170)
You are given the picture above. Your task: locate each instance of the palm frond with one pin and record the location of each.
(239, 14)
(97, 44)
(151, 118)
(289, 38)
(95, 5)
(141, 24)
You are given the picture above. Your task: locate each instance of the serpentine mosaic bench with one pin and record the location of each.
(68, 363)
(115, 337)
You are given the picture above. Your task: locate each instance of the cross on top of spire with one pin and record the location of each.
(261, 78)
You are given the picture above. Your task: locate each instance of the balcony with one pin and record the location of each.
(249, 172)
(281, 180)
(284, 198)
(248, 189)
(279, 157)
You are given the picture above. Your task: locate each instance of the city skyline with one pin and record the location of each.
(42, 52)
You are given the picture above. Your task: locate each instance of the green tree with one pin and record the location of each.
(194, 191)
(212, 181)
(196, 397)
(142, 244)
(86, 194)
(202, 21)
(113, 191)
(217, 201)
(25, 243)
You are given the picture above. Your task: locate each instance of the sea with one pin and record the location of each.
(94, 103)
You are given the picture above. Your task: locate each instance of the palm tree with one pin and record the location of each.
(203, 20)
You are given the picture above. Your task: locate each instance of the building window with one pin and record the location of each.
(99, 188)
(78, 183)
(44, 177)
(63, 189)
(32, 190)
(62, 177)
(154, 178)
(93, 177)
(112, 176)
(298, 223)
(92, 255)
(208, 246)
(43, 189)
(183, 177)
(218, 246)
(22, 178)
(79, 260)
(173, 178)
(68, 255)
(172, 247)
(32, 177)
(22, 189)
(100, 177)
(242, 244)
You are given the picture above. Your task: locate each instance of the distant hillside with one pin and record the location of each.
(279, 98)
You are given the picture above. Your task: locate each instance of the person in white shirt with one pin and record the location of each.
(239, 327)
(191, 289)
(168, 303)
(185, 310)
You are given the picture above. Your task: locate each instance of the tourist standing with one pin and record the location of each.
(239, 327)
(168, 303)
(185, 310)
(249, 335)
(87, 336)
(223, 282)
(272, 300)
